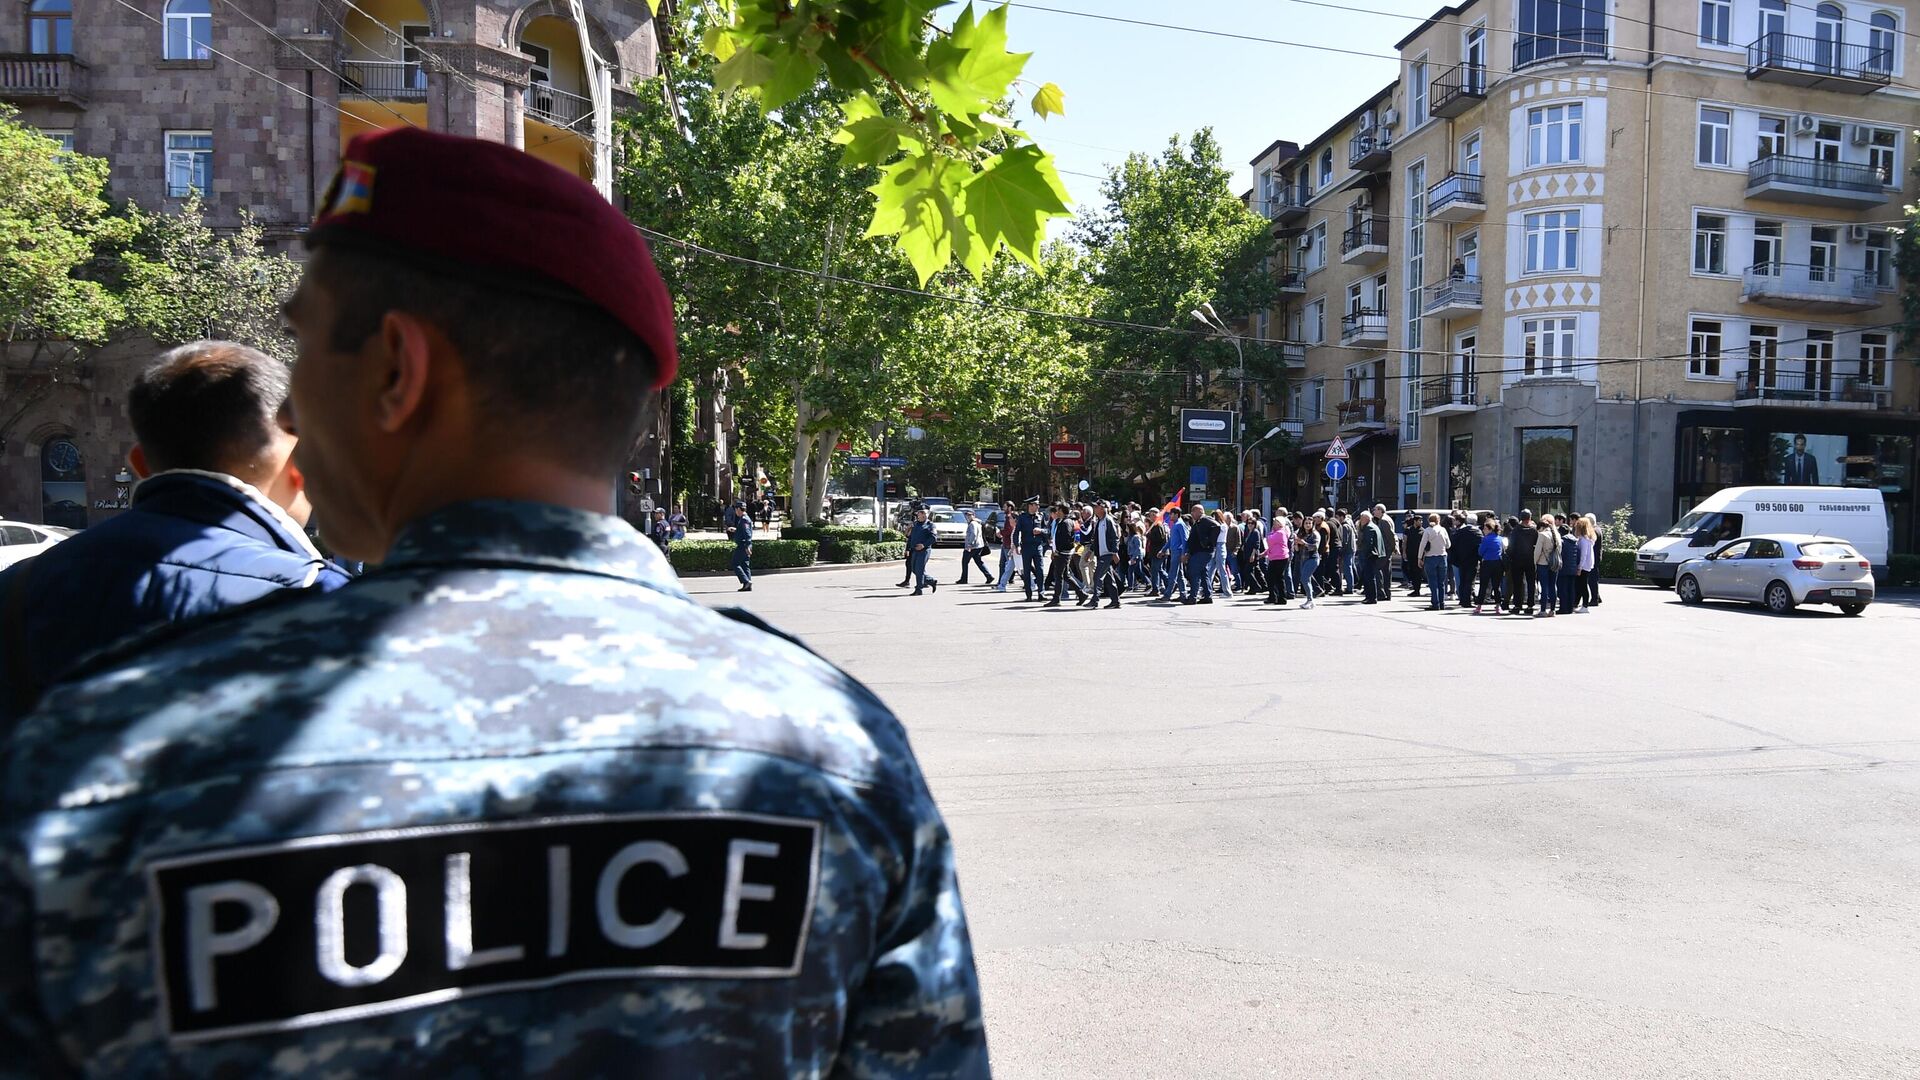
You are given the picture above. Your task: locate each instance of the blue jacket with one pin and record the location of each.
(193, 543)
(740, 529)
(1177, 539)
(1492, 547)
(921, 536)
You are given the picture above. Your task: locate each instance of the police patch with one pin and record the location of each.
(331, 928)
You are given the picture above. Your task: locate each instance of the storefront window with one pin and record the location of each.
(1460, 472)
(1711, 458)
(1546, 470)
(63, 484)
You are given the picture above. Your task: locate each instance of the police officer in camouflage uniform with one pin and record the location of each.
(510, 804)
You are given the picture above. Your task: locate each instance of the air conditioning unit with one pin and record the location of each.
(1860, 135)
(1306, 241)
(1805, 124)
(1389, 116)
(1366, 121)
(1857, 233)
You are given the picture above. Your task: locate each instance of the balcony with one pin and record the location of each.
(551, 105)
(1286, 207)
(1800, 287)
(1362, 414)
(1452, 298)
(1368, 326)
(1293, 354)
(1365, 243)
(35, 78)
(1785, 178)
(1291, 281)
(1820, 64)
(1773, 383)
(1458, 89)
(383, 80)
(1370, 150)
(1457, 197)
(1569, 44)
(1449, 395)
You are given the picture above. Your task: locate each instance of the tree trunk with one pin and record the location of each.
(817, 486)
(801, 497)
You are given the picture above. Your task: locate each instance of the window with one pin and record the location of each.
(1380, 293)
(1316, 321)
(1826, 142)
(1326, 167)
(1828, 33)
(1317, 247)
(1548, 346)
(1317, 398)
(411, 35)
(1410, 487)
(1553, 241)
(1773, 29)
(50, 27)
(1474, 51)
(1356, 298)
(1881, 31)
(1709, 244)
(1773, 136)
(1417, 93)
(64, 138)
(1873, 360)
(1716, 21)
(63, 484)
(189, 163)
(1880, 259)
(189, 30)
(1823, 254)
(1882, 154)
(1554, 28)
(1470, 155)
(1716, 137)
(1768, 251)
(1703, 349)
(1763, 354)
(1553, 134)
(1546, 470)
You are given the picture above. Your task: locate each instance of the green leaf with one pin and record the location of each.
(1011, 198)
(1049, 100)
(918, 201)
(792, 75)
(718, 41)
(876, 139)
(743, 70)
(970, 68)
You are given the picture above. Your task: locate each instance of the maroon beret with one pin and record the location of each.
(469, 206)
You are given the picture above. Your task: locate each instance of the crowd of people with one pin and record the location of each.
(1099, 551)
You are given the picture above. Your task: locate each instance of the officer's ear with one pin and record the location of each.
(137, 461)
(415, 355)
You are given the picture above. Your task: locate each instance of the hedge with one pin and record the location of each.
(1903, 570)
(1617, 564)
(701, 556)
(854, 551)
(842, 533)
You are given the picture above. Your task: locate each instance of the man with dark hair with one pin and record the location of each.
(512, 804)
(217, 520)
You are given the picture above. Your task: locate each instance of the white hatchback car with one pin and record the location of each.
(1780, 571)
(20, 541)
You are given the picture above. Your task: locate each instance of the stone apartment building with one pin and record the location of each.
(249, 103)
(1588, 255)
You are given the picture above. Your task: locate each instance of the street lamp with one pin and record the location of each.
(1254, 443)
(1207, 317)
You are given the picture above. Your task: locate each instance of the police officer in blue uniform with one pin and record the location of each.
(920, 540)
(511, 804)
(1033, 543)
(740, 531)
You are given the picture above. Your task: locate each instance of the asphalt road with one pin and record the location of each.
(1234, 841)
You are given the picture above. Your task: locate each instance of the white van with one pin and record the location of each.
(1856, 515)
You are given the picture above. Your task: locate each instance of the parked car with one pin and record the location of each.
(855, 510)
(1857, 516)
(949, 528)
(1780, 571)
(20, 541)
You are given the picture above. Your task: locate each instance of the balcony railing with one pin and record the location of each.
(1446, 390)
(1814, 288)
(1816, 173)
(1458, 89)
(1567, 44)
(1809, 61)
(1362, 411)
(1368, 232)
(383, 80)
(38, 76)
(549, 104)
(1458, 191)
(1287, 203)
(1452, 294)
(1290, 279)
(1370, 149)
(1819, 386)
(1362, 325)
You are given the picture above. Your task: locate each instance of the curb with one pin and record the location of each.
(816, 568)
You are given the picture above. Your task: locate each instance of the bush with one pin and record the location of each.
(855, 551)
(710, 556)
(1903, 570)
(843, 533)
(1616, 533)
(1617, 564)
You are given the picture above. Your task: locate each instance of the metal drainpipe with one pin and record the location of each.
(313, 193)
(1646, 219)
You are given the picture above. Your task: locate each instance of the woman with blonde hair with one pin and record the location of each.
(1590, 576)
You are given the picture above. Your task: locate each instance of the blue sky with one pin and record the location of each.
(1130, 87)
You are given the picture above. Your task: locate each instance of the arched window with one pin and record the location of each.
(1772, 40)
(1829, 32)
(1326, 167)
(1882, 36)
(50, 26)
(189, 25)
(63, 483)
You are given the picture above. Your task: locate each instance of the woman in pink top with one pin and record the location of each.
(1279, 546)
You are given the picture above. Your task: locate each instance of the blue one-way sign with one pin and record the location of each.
(1336, 469)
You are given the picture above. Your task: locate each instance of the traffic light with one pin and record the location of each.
(633, 482)
(873, 455)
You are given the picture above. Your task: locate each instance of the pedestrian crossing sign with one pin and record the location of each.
(1337, 449)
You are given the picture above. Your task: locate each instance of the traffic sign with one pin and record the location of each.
(993, 459)
(1337, 468)
(1067, 455)
(877, 462)
(1337, 449)
(1214, 426)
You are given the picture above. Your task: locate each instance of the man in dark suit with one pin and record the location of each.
(1057, 575)
(1103, 545)
(1033, 543)
(1800, 467)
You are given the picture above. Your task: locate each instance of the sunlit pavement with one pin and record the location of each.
(1234, 841)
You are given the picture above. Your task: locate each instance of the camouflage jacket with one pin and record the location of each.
(510, 805)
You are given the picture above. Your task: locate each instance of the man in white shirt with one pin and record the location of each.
(1103, 543)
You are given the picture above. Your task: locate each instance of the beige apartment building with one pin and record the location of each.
(1579, 256)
